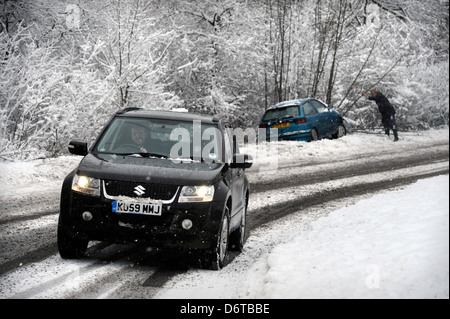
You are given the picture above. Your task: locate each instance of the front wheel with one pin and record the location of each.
(214, 258)
(237, 238)
(69, 247)
(340, 132)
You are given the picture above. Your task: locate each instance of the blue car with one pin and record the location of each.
(304, 120)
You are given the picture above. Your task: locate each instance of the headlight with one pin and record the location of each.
(196, 194)
(86, 185)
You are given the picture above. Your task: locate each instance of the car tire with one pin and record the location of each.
(69, 247)
(238, 237)
(314, 135)
(214, 258)
(340, 131)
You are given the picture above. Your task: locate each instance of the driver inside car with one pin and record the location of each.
(139, 137)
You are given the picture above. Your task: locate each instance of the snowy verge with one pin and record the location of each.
(392, 245)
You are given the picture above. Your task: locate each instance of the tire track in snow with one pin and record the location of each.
(269, 213)
(298, 177)
(70, 278)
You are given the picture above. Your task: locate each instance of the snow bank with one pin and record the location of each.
(393, 245)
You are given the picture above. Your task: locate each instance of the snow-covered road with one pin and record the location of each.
(299, 189)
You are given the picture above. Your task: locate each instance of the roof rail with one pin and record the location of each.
(128, 109)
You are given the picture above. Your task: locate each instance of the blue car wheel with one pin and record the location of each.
(314, 135)
(340, 131)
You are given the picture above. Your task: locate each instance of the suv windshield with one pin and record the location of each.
(282, 112)
(161, 138)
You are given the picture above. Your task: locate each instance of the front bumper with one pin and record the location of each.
(158, 231)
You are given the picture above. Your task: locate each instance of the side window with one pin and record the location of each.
(319, 106)
(308, 109)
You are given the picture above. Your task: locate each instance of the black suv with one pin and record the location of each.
(162, 178)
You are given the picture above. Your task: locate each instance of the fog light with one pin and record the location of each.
(87, 216)
(186, 224)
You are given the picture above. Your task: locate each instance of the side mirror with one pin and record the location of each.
(330, 106)
(242, 161)
(78, 148)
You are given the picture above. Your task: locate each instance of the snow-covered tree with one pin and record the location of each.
(66, 66)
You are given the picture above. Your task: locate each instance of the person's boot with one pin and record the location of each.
(395, 135)
(386, 131)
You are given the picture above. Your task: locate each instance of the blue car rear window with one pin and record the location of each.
(282, 113)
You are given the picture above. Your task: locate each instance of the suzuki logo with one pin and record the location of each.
(139, 190)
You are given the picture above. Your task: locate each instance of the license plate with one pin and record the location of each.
(281, 125)
(136, 208)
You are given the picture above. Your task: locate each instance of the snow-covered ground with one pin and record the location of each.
(394, 244)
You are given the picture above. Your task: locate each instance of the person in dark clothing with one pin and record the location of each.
(387, 112)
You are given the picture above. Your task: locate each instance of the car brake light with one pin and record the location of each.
(300, 120)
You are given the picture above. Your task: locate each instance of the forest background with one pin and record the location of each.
(66, 66)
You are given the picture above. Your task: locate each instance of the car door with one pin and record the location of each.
(326, 118)
(311, 114)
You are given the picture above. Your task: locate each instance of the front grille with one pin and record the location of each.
(144, 190)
